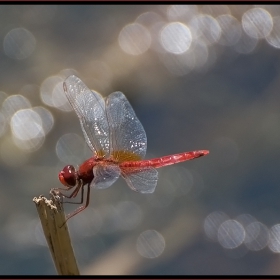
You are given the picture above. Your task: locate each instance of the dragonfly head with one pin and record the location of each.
(68, 176)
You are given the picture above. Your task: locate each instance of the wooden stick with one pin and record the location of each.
(54, 225)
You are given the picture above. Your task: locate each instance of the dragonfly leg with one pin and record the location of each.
(83, 207)
(74, 194)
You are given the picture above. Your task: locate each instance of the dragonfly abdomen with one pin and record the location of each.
(166, 160)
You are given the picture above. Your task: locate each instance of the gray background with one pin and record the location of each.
(229, 105)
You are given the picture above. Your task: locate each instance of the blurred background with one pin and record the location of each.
(198, 77)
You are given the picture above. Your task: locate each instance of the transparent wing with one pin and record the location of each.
(90, 108)
(105, 176)
(141, 180)
(128, 139)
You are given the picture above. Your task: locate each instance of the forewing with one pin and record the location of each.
(105, 176)
(90, 108)
(142, 180)
(128, 141)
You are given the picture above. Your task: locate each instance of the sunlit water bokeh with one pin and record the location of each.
(198, 77)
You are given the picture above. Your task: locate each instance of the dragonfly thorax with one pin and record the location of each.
(68, 176)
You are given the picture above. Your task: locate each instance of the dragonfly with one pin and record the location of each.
(118, 142)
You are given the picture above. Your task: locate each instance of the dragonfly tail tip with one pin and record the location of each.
(204, 152)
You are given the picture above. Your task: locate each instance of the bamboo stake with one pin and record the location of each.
(52, 218)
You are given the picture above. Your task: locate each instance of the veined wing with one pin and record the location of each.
(143, 180)
(90, 108)
(128, 141)
(105, 176)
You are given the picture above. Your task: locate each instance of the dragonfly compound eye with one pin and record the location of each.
(68, 176)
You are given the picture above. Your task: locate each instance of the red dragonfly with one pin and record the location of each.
(118, 142)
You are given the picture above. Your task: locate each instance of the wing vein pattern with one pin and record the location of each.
(142, 180)
(128, 139)
(90, 108)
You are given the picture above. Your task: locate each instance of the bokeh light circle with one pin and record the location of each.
(19, 43)
(176, 38)
(134, 39)
(257, 23)
(150, 244)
